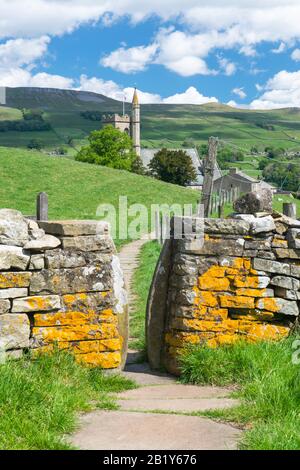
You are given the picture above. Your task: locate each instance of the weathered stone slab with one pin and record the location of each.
(283, 253)
(264, 224)
(14, 331)
(36, 304)
(13, 257)
(271, 266)
(69, 281)
(212, 247)
(264, 245)
(13, 293)
(293, 236)
(291, 223)
(64, 259)
(286, 282)
(277, 305)
(226, 226)
(75, 228)
(88, 243)
(295, 271)
(37, 262)
(13, 228)
(86, 301)
(4, 307)
(45, 243)
(251, 203)
(287, 294)
(11, 279)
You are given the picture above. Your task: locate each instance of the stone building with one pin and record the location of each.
(129, 124)
(148, 154)
(238, 179)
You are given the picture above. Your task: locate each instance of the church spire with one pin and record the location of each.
(135, 100)
(136, 123)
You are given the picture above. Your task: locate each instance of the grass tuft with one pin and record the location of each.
(40, 399)
(268, 385)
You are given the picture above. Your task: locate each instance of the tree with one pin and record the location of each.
(173, 166)
(138, 167)
(35, 144)
(109, 147)
(227, 156)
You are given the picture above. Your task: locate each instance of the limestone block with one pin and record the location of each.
(287, 294)
(182, 282)
(254, 282)
(295, 271)
(291, 223)
(293, 236)
(236, 301)
(13, 257)
(37, 262)
(34, 231)
(45, 243)
(283, 253)
(36, 304)
(266, 255)
(13, 293)
(286, 282)
(264, 224)
(250, 292)
(85, 302)
(185, 297)
(70, 281)
(263, 245)
(4, 306)
(246, 217)
(281, 228)
(226, 226)
(13, 228)
(211, 247)
(75, 228)
(251, 203)
(279, 242)
(11, 279)
(271, 266)
(64, 259)
(278, 305)
(14, 331)
(88, 243)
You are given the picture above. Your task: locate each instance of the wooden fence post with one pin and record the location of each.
(42, 207)
(290, 209)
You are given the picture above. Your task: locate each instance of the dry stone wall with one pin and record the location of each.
(243, 282)
(61, 286)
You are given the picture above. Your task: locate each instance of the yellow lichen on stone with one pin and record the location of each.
(269, 304)
(248, 292)
(14, 280)
(216, 284)
(106, 360)
(79, 332)
(236, 301)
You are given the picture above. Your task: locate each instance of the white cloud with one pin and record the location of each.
(17, 77)
(281, 91)
(19, 52)
(190, 96)
(134, 59)
(296, 55)
(228, 67)
(280, 49)
(239, 92)
(248, 51)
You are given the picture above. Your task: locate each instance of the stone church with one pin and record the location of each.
(132, 126)
(129, 124)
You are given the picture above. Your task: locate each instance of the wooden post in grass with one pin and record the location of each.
(42, 207)
(209, 169)
(290, 209)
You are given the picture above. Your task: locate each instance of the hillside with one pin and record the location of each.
(76, 189)
(168, 125)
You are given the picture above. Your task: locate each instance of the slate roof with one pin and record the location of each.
(148, 154)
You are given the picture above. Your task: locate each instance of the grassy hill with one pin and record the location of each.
(76, 189)
(162, 124)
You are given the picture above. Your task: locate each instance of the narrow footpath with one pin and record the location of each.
(159, 414)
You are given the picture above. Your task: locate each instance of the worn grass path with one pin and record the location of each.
(158, 415)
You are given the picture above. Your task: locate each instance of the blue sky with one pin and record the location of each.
(245, 53)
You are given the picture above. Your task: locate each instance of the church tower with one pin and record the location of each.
(136, 124)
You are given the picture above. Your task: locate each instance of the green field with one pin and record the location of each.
(76, 189)
(162, 125)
